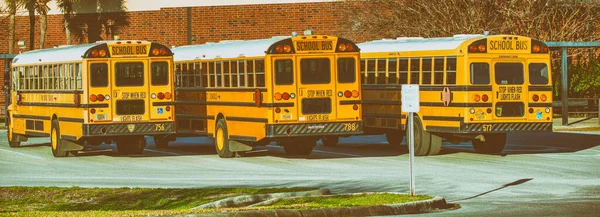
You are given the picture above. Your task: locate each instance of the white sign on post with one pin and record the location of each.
(410, 98)
(410, 104)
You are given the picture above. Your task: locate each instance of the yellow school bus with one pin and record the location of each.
(291, 90)
(472, 88)
(93, 93)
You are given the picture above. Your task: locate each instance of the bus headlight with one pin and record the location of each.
(547, 110)
(472, 111)
(292, 95)
(340, 94)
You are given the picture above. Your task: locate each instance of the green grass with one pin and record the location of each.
(28, 199)
(345, 201)
(76, 201)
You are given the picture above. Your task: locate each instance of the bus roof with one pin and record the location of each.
(225, 49)
(59, 54)
(416, 44)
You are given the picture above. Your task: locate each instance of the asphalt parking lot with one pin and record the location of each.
(537, 174)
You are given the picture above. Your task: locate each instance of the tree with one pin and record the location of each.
(66, 6)
(31, 5)
(95, 17)
(12, 6)
(42, 9)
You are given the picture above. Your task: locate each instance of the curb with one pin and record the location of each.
(246, 200)
(380, 210)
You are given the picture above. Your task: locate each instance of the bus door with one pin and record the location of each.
(130, 98)
(509, 89)
(317, 93)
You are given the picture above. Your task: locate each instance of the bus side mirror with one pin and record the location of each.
(258, 98)
(19, 98)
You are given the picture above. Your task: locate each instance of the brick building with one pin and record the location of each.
(177, 26)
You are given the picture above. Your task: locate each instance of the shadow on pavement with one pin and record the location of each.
(518, 182)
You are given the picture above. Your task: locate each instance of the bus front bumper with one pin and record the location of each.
(128, 129)
(314, 129)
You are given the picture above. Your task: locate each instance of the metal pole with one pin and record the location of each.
(411, 151)
(565, 88)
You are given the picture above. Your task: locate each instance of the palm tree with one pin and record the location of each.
(30, 5)
(12, 6)
(66, 6)
(42, 9)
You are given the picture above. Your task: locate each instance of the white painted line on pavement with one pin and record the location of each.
(19, 153)
(344, 154)
(163, 152)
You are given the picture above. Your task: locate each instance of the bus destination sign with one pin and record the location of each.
(129, 50)
(312, 46)
(501, 45)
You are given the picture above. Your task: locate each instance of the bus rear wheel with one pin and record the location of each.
(222, 140)
(394, 137)
(330, 141)
(12, 142)
(299, 147)
(493, 144)
(425, 142)
(56, 141)
(131, 145)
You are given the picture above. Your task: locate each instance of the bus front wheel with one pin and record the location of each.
(394, 137)
(56, 141)
(493, 144)
(299, 147)
(12, 142)
(330, 141)
(222, 140)
(161, 142)
(131, 145)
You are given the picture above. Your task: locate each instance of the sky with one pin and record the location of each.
(147, 5)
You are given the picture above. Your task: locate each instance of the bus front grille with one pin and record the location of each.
(312, 106)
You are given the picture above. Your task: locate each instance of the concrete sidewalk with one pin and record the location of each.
(576, 124)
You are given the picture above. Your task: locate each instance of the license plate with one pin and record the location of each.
(286, 116)
(480, 117)
(100, 117)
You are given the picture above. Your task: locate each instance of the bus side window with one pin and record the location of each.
(415, 66)
(451, 70)
(203, 75)
(392, 71)
(381, 78)
(219, 74)
(260, 73)
(250, 70)
(226, 74)
(438, 70)
(363, 74)
(234, 74)
(371, 71)
(185, 75)
(21, 78)
(403, 67)
(427, 70)
(78, 76)
(241, 73)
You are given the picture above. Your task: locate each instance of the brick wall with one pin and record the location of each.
(169, 26)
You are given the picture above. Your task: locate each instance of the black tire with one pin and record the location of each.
(161, 142)
(55, 140)
(330, 141)
(131, 145)
(394, 137)
(299, 148)
(10, 136)
(436, 145)
(422, 138)
(222, 140)
(494, 144)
